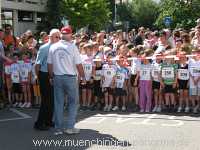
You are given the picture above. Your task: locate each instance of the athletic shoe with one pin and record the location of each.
(105, 108)
(141, 110)
(155, 109)
(123, 108)
(109, 108)
(159, 109)
(20, 104)
(195, 110)
(179, 109)
(58, 132)
(24, 105)
(28, 105)
(15, 104)
(72, 131)
(187, 109)
(115, 108)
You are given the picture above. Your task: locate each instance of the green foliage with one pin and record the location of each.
(183, 12)
(81, 13)
(139, 12)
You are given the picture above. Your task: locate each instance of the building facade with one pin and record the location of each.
(22, 14)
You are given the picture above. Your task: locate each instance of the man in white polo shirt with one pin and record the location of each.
(63, 63)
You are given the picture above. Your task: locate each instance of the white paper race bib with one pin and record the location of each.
(145, 74)
(133, 70)
(195, 71)
(120, 80)
(98, 74)
(15, 77)
(7, 69)
(168, 73)
(183, 74)
(155, 73)
(109, 73)
(24, 74)
(88, 71)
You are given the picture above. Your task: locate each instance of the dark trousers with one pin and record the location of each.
(45, 115)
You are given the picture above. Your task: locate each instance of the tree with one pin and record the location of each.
(183, 13)
(52, 17)
(139, 12)
(92, 13)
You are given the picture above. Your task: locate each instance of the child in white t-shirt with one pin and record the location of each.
(108, 73)
(194, 81)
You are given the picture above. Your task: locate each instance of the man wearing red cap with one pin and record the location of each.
(63, 63)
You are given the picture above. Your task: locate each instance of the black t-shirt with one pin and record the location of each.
(138, 40)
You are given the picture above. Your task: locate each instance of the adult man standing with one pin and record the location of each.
(63, 63)
(44, 120)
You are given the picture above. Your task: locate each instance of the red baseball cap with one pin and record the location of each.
(66, 30)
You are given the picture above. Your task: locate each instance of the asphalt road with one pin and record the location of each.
(99, 130)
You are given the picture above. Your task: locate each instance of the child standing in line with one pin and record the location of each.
(183, 83)
(120, 84)
(194, 85)
(97, 90)
(8, 81)
(135, 63)
(15, 78)
(168, 82)
(108, 73)
(145, 83)
(35, 84)
(88, 67)
(157, 94)
(25, 76)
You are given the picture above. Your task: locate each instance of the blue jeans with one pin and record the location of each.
(65, 84)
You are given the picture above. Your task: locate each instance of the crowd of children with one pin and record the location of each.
(161, 74)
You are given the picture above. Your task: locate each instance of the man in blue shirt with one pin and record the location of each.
(44, 121)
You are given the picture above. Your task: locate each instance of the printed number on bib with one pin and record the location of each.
(195, 71)
(155, 73)
(168, 72)
(145, 73)
(120, 80)
(15, 77)
(88, 68)
(183, 74)
(98, 75)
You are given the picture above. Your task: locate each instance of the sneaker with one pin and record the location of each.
(195, 110)
(15, 104)
(109, 108)
(20, 104)
(105, 108)
(23, 105)
(58, 132)
(159, 109)
(187, 109)
(155, 109)
(147, 111)
(72, 131)
(123, 108)
(115, 108)
(179, 109)
(141, 110)
(28, 105)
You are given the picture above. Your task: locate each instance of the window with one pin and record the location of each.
(40, 17)
(7, 17)
(25, 16)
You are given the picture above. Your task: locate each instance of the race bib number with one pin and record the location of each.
(24, 74)
(15, 77)
(145, 74)
(7, 69)
(98, 75)
(133, 70)
(109, 73)
(88, 68)
(155, 73)
(168, 73)
(183, 74)
(195, 71)
(120, 80)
